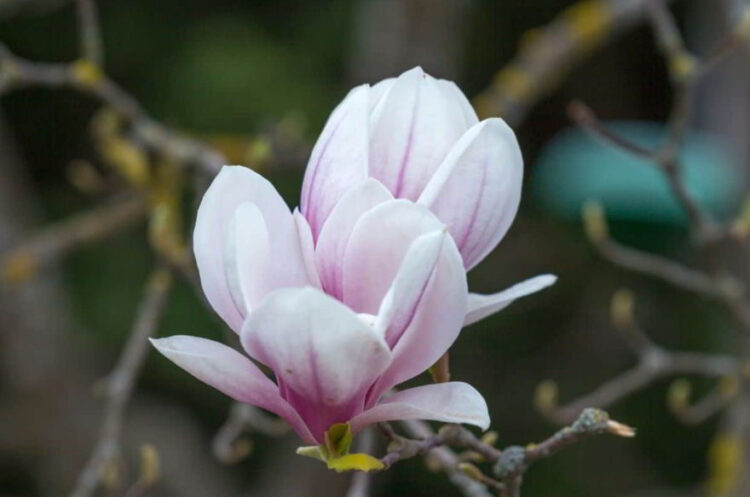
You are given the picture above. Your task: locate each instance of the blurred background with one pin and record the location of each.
(257, 79)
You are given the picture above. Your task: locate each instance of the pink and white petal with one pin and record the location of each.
(435, 323)
(477, 189)
(247, 257)
(378, 91)
(232, 374)
(378, 243)
(481, 306)
(453, 402)
(463, 106)
(409, 286)
(337, 229)
(315, 345)
(233, 186)
(307, 248)
(412, 129)
(339, 158)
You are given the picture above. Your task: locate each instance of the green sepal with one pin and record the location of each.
(335, 452)
(338, 439)
(355, 462)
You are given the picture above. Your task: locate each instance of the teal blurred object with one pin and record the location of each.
(575, 167)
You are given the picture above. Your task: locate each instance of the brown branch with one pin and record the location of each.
(89, 32)
(514, 461)
(87, 78)
(654, 363)
(547, 55)
(726, 289)
(118, 386)
(508, 465)
(446, 460)
(361, 480)
(53, 242)
(229, 447)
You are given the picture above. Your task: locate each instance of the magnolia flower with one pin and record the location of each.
(397, 303)
(421, 140)
(365, 287)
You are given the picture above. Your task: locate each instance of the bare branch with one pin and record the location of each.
(89, 32)
(118, 386)
(654, 363)
(361, 480)
(55, 241)
(228, 447)
(88, 79)
(548, 54)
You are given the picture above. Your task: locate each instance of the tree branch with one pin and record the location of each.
(118, 386)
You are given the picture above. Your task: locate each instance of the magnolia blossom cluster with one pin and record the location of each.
(364, 286)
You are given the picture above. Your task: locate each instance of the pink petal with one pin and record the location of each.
(323, 354)
(458, 99)
(337, 229)
(339, 158)
(413, 127)
(481, 306)
(307, 248)
(423, 320)
(233, 186)
(231, 373)
(410, 285)
(376, 247)
(477, 189)
(247, 257)
(452, 402)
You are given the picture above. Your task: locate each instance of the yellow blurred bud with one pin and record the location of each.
(621, 309)
(471, 471)
(546, 396)
(678, 395)
(725, 464)
(86, 73)
(150, 465)
(19, 266)
(594, 221)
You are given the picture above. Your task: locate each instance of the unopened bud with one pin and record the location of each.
(678, 396)
(150, 465)
(621, 309)
(594, 221)
(471, 471)
(545, 396)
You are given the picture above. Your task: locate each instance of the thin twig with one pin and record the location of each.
(229, 447)
(361, 481)
(547, 54)
(653, 363)
(508, 465)
(118, 386)
(54, 241)
(89, 32)
(18, 73)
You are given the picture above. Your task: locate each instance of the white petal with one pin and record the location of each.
(424, 321)
(339, 158)
(307, 248)
(317, 346)
(410, 285)
(413, 127)
(462, 104)
(246, 259)
(334, 236)
(378, 243)
(481, 306)
(477, 189)
(231, 373)
(452, 402)
(233, 186)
